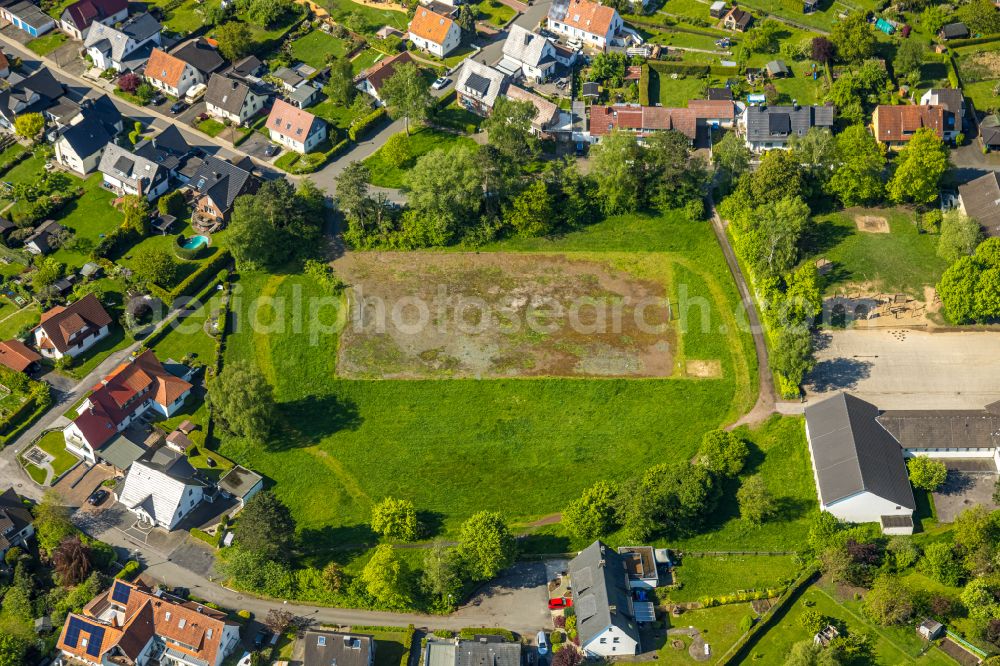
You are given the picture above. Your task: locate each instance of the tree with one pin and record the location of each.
(486, 545)
(29, 125)
(723, 453)
(508, 129)
(772, 245)
(129, 82)
(674, 178)
(395, 519)
(959, 288)
(609, 68)
(532, 213)
(980, 16)
(763, 38)
(669, 499)
(755, 500)
(857, 177)
(467, 20)
(980, 599)
(13, 649)
(235, 40)
(266, 527)
(242, 402)
(71, 561)
(919, 168)
(52, 523)
(154, 265)
(939, 563)
(278, 620)
(617, 166)
(813, 621)
(854, 37)
(445, 192)
(822, 50)
(396, 151)
(340, 86)
(888, 602)
(48, 270)
(592, 515)
(731, 157)
(276, 224)
(926, 474)
(933, 19)
(909, 58)
(960, 235)
(384, 578)
(977, 534)
(809, 653)
(335, 577)
(792, 354)
(266, 12)
(440, 579)
(136, 209)
(172, 203)
(406, 95)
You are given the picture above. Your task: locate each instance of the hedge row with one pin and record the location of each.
(739, 597)
(17, 159)
(129, 571)
(644, 85)
(470, 633)
(972, 41)
(364, 123)
(195, 281)
(688, 69)
(738, 652)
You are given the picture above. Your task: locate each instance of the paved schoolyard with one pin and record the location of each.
(907, 369)
(962, 491)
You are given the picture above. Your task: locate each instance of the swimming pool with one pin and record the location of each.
(194, 242)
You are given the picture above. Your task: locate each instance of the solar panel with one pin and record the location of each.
(96, 639)
(120, 592)
(73, 632)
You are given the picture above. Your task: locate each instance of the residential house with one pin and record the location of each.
(434, 33)
(322, 648)
(294, 128)
(989, 132)
(547, 117)
(640, 565)
(127, 173)
(645, 120)
(217, 183)
(483, 650)
(530, 55)
(4, 65)
(33, 94)
(76, 19)
(249, 68)
(737, 19)
(895, 125)
(27, 16)
(477, 86)
(602, 599)
(233, 100)
(126, 47)
(241, 484)
(45, 238)
(201, 55)
(72, 329)
(305, 95)
(591, 24)
(953, 101)
(170, 74)
(980, 200)
(372, 79)
(161, 488)
(138, 385)
(954, 31)
(132, 624)
(769, 127)
(80, 145)
(18, 356)
(16, 522)
(168, 149)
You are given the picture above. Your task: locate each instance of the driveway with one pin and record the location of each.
(520, 592)
(76, 486)
(907, 369)
(963, 490)
(256, 144)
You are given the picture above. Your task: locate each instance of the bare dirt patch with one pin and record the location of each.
(703, 368)
(872, 224)
(425, 315)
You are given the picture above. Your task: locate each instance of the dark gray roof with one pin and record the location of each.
(323, 648)
(951, 98)
(989, 130)
(487, 653)
(955, 31)
(591, 88)
(226, 93)
(104, 110)
(720, 94)
(199, 54)
(168, 148)
(853, 453)
(239, 481)
(13, 515)
(172, 464)
(87, 137)
(249, 66)
(777, 124)
(558, 10)
(601, 593)
(121, 452)
(221, 181)
(981, 199)
(943, 428)
(113, 40)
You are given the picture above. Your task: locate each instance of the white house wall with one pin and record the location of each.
(612, 642)
(865, 507)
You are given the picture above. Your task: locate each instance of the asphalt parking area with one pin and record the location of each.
(77, 485)
(520, 592)
(964, 490)
(256, 144)
(908, 369)
(196, 557)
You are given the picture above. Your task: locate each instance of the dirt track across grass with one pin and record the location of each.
(438, 315)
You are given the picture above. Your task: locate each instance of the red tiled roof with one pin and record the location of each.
(898, 123)
(380, 71)
(164, 68)
(84, 316)
(432, 27)
(290, 121)
(643, 119)
(590, 17)
(84, 12)
(17, 356)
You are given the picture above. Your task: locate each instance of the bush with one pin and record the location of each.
(364, 123)
(129, 571)
(244, 614)
(959, 139)
(469, 633)
(695, 210)
(195, 281)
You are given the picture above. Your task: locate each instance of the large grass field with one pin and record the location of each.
(374, 18)
(445, 444)
(903, 260)
(317, 46)
(421, 142)
(89, 218)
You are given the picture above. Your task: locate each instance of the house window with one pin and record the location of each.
(615, 640)
(603, 641)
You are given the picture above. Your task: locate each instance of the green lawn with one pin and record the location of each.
(366, 59)
(421, 142)
(372, 17)
(54, 444)
(46, 44)
(211, 126)
(274, 33)
(675, 92)
(190, 336)
(715, 576)
(337, 450)
(16, 322)
(900, 261)
(494, 12)
(93, 357)
(187, 17)
(800, 86)
(894, 645)
(315, 48)
(719, 626)
(27, 171)
(90, 217)
(168, 244)
(337, 115)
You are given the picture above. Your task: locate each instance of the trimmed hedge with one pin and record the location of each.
(195, 281)
(364, 123)
(470, 633)
(644, 85)
(129, 571)
(688, 69)
(186, 253)
(739, 597)
(972, 41)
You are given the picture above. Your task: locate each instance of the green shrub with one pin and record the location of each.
(244, 614)
(195, 281)
(469, 633)
(129, 571)
(364, 123)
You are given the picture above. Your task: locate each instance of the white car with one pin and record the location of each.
(543, 644)
(440, 83)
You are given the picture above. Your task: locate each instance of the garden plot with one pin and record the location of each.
(423, 315)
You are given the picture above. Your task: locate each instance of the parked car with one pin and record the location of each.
(440, 83)
(261, 638)
(177, 107)
(560, 602)
(271, 150)
(181, 592)
(543, 644)
(97, 497)
(157, 99)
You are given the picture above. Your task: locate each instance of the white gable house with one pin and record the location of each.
(606, 620)
(162, 489)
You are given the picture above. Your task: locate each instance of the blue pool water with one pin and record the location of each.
(195, 242)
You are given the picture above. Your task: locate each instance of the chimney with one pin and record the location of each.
(795, 104)
(612, 609)
(603, 562)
